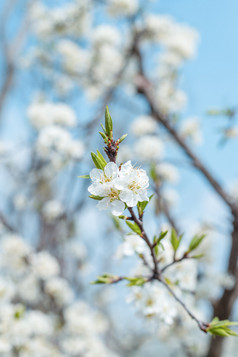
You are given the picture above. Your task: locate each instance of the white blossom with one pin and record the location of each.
(149, 148)
(52, 210)
(44, 114)
(122, 7)
(143, 124)
(44, 265)
(132, 244)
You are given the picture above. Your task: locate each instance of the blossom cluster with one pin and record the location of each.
(39, 312)
(119, 186)
(55, 142)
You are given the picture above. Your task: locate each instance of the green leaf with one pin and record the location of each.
(84, 176)
(122, 138)
(142, 205)
(103, 128)
(157, 241)
(134, 227)
(96, 161)
(220, 328)
(116, 222)
(195, 242)
(108, 123)
(136, 281)
(153, 173)
(98, 198)
(101, 158)
(175, 240)
(198, 256)
(104, 136)
(106, 279)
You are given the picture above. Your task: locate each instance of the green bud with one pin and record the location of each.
(122, 138)
(108, 123)
(134, 227)
(94, 197)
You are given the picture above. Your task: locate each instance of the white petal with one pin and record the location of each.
(103, 204)
(111, 170)
(117, 207)
(129, 198)
(143, 196)
(96, 174)
(126, 168)
(120, 183)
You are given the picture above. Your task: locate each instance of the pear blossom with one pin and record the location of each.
(133, 184)
(116, 187)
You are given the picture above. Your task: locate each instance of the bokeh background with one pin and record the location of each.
(61, 63)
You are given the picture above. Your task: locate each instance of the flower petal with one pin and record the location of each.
(111, 170)
(117, 207)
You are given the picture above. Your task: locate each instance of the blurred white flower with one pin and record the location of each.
(59, 290)
(122, 7)
(52, 210)
(143, 124)
(44, 114)
(44, 265)
(149, 148)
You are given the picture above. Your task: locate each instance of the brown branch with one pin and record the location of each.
(224, 305)
(144, 86)
(202, 325)
(157, 273)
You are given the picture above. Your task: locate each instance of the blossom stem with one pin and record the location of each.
(202, 325)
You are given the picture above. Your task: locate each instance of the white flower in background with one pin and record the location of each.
(169, 60)
(59, 290)
(5, 346)
(44, 265)
(52, 210)
(54, 139)
(152, 300)
(149, 148)
(122, 7)
(167, 172)
(75, 58)
(105, 34)
(40, 323)
(190, 128)
(46, 113)
(133, 184)
(183, 40)
(132, 244)
(170, 99)
(28, 289)
(143, 124)
(7, 289)
(15, 253)
(158, 27)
